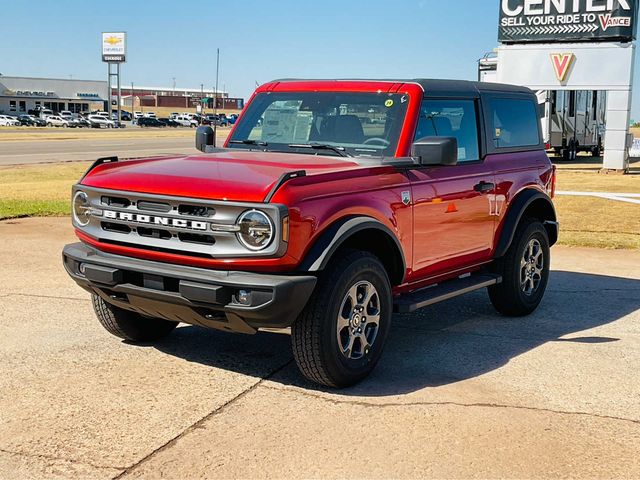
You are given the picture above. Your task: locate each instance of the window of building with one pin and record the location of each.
(12, 105)
(515, 122)
(22, 106)
(451, 118)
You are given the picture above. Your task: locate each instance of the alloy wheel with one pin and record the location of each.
(358, 320)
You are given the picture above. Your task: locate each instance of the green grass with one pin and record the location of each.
(33, 208)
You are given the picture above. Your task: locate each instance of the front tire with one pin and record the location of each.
(338, 339)
(130, 325)
(524, 270)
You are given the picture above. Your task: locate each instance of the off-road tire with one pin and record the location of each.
(313, 334)
(508, 297)
(130, 325)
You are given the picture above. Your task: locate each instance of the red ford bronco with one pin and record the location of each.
(332, 205)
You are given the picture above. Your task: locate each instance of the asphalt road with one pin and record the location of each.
(20, 152)
(459, 392)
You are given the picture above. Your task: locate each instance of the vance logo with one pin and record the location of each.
(561, 64)
(606, 21)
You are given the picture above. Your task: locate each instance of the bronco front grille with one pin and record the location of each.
(200, 228)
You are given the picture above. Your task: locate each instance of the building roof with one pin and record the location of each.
(124, 86)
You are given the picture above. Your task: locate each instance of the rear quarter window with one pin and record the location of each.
(515, 123)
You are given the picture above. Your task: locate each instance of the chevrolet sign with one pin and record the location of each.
(154, 220)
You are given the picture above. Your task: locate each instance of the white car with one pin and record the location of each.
(185, 121)
(137, 115)
(67, 115)
(44, 113)
(56, 121)
(100, 121)
(150, 114)
(7, 121)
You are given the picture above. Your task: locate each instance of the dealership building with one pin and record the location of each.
(24, 94)
(176, 97)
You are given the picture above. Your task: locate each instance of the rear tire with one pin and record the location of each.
(524, 270)
(338, 339)
(130, 325)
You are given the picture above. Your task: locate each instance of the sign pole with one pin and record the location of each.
(119, 99)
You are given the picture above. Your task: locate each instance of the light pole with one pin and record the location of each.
(215, 105)
(174, 86)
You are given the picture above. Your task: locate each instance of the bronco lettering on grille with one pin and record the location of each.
(153, 220)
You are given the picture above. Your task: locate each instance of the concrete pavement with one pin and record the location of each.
(137, 143)
(21, 152)
(460, 391)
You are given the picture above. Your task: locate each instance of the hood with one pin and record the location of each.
(231, 175)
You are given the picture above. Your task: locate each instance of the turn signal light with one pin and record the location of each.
(285, 229)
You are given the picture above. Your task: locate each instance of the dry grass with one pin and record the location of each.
(595, 222)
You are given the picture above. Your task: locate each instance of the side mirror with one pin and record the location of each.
(204, 138)
(436, 150)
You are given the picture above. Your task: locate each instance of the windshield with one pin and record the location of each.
(358, 124)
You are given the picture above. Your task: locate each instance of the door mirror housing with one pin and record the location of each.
(205, 138)
(436, 150)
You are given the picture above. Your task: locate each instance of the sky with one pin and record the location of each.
(259, 40)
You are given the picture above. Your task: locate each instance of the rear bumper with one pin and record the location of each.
(209, 298)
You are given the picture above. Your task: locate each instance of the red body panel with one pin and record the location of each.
(447, 228)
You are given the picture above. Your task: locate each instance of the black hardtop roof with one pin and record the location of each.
(433, 86)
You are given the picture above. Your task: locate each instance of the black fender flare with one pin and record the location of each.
(515, 212)
(318, 257)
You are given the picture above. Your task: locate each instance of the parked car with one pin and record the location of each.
(186, 121)
(169, 122)
(100, 121)
(232, 118)
(285, 232)
(31, 121)
(215, 120)
(66, 115)
(149, 115)
(150, 122)
(56, 121)
(44, 113)
(79, 122)
(9, 121)
(173, 115)
(124, 116)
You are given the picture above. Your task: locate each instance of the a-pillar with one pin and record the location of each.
(616, 152)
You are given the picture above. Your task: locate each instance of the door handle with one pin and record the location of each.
(484, 187)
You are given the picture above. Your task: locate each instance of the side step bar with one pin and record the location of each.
(444, 291)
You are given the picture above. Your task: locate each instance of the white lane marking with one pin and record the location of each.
(618, 197)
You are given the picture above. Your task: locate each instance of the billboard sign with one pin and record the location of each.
(544, 21)
(114, 47)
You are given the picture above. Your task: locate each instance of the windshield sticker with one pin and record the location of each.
(388, 103)
(403, 99)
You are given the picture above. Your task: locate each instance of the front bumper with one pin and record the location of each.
(198, 296)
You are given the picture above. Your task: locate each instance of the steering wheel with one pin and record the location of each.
(381, 141)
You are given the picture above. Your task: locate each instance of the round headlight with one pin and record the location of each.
(81, 209)
(256, 230)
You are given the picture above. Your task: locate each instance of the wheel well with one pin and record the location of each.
(378, 243)
(543, 210)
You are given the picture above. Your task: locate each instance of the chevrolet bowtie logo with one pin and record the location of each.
(113, 40)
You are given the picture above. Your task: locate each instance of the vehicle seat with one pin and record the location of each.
(342, 129)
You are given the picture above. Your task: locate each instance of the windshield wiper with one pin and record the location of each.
(320, 146)
(250, 142)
